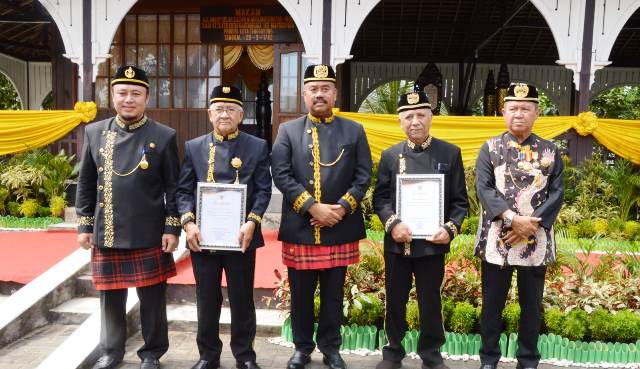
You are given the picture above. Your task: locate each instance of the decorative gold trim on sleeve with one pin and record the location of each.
(300, 200)
(86, 221)
(389, 222)
(187, 217)
(452, 227)
(351, 200)
(255, 217)
(172, 221)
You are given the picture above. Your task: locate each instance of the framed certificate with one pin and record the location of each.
(220, 214)
(420, 202)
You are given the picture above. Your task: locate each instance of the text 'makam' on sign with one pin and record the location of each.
(255, 25)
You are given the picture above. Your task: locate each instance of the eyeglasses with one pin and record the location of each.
(229, 111)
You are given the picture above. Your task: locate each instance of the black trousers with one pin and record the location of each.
(429, 273)
(239, 270)
(153, 321)
(496, 281)
(303, 287)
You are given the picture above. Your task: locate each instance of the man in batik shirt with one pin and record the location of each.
(519, 184)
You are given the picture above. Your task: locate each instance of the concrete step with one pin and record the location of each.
(74, 311)
(3, 298)
(184, 318)
(31, 349)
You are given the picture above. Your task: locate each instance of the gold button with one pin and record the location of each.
(210, 144)
(311, 146)
(101, 150)
(311, 163)
(100, 188)
(100, 169)
(308, 131)
(152, 145)
(101, 205)
(311, 181)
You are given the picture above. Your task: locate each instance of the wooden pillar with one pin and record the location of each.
(326, 31)
(87, 65)
(584, 147)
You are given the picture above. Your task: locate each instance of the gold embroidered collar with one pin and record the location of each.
(131, 126)
(320, 120)
(423, 146)
(230, 136)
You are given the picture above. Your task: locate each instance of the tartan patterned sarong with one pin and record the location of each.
(124, 268)
(304, 257)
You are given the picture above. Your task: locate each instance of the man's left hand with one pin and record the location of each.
(246, 235)
(169, 242)
(441, 237)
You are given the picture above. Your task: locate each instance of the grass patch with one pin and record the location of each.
(9, 221)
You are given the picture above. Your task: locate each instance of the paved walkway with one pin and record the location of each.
(183, 353)
(32, 349)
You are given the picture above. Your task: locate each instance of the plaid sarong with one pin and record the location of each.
(124, 268)
(304, 257)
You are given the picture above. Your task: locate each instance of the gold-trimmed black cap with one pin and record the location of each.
(522, 92)
(130, 75)
(413, 100)
(228, 94)
(319, 72)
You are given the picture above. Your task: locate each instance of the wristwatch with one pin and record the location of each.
(509, 219)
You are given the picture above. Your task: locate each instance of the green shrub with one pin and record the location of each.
(625, 326)
(511, 317)
(585, 229)
(463, 318)
(57, 205)
(367, 310)
(469, 225)
(447, 310)
(44, 211)
(4, 194)
(573, 231)
(553, 320)
(29, 208)
(575, 325)
(14, 208)
(601, 227)
(631, 230)
(600, 325)
(616, 225)
(375, 224)
(413, 315)
(316, 308)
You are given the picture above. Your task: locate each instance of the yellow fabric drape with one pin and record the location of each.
(231, 55)
(261, 56)
(28, 129)
(469, 133)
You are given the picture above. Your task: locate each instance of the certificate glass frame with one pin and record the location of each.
(416, 207)
(223, 215)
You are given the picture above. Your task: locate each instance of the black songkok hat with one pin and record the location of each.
(413, 100)
(130, 75)
(522, 92)
(229, 94)
(319, 72)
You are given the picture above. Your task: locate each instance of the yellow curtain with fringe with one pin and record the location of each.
(469, 133)
(261, 56)
(231, 55)
(22, 130)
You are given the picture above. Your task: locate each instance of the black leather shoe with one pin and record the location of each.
(437, 366)
(247, 365)
(107, 362)
(388, 364)
(204, 364)
(334, 361)
(298, 360)
(488, 366)
(518, 366)
(148, 363)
